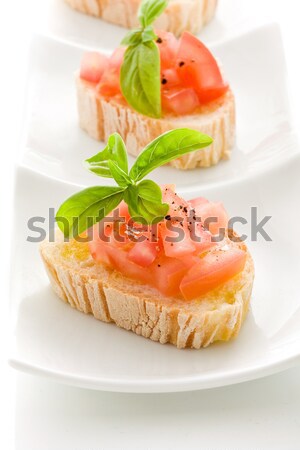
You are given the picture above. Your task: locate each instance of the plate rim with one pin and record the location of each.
(160, 386)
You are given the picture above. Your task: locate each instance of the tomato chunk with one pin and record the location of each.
(122, 211)
(167, 274)
(202, 239)
(167, 187)
(170, 78)
(92, 67)
(213, 216)
(176, 239)
(198, 69)
(109, 85)
(213, 270)
(143, 253)
(178, 207)
(168, 48)
(198, 202)
(180, 101)
(116, 59)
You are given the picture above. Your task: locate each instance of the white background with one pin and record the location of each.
(37, 414)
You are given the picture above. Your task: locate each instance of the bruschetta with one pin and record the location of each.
(155, 83)
(166, 268)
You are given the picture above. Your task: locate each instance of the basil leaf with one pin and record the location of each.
(82, 210)
(166, 147)
(148, 34)
(115, 150)
(145, 202)
(150, 10)
(131, 198)
(140, 78)
(133, 37)
(149, 190)
(118, 174)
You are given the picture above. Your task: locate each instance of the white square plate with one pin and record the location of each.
(52, 339)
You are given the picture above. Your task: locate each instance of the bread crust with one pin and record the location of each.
(180, 15)
(100, 117)
(94, 289)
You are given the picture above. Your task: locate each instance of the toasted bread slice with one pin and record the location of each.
(180, 15)
(93, 288)
(100, 117)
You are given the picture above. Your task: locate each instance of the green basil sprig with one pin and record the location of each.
(140, 71)
(143, 197)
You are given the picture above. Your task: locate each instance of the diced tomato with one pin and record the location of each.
(213, 216)
(123, 212)
(97, 243)
(101, 230)
(168, 48)
(198, 69)
(143, 253)
(92, 66)
(109, 85)
(164, 273)
(202, 239)
(169, 186)
(180, 101)
(198, 201)
(216, 268)
(167, 274)
(117, 258)
(181, 266)
(170, 78)
(181, 209)
(176, 243)
(99, 252)
(178, 206)
(130, 269)
(116, 59)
